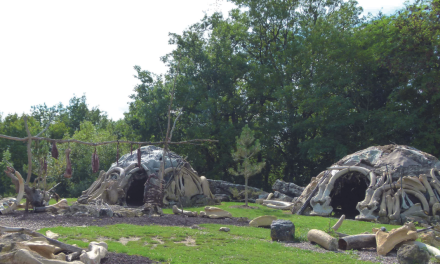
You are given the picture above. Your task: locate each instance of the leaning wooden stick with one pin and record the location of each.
(70, 248)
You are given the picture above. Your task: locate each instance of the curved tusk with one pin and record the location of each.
(19, 196)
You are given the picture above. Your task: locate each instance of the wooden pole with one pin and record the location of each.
(29, 152)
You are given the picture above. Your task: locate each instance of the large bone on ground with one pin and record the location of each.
(387, 241)
(429, 238)
(215, 212)
(278, 204)
(339, 223)
(432, 200)
(176, 210)
(24, 256)
(54, 242)
(279, 207)
(42, 247)
(262, 221)
(62, 205)
(323, 239)
(97, 251)
(357, 242)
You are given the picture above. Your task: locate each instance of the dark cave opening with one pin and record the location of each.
(135, 193)
(347, 192)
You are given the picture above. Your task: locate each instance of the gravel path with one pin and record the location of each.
(41, 220)
(367, 254)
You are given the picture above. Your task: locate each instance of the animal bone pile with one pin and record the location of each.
(380, 239)
(17, 248)
(124, 182)
(391, 184)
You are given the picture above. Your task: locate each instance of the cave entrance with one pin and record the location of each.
(347, 192)
(135, 193)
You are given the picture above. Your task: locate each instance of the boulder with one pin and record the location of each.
(222, 197)
(224, 187)
(262, 221)
(105, 212)
(224, 229)
(198, 200)
(282, 197)
(287, 188)
(409, 254)
(282, 230)
(215, 212)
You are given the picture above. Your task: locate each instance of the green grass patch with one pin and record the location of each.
(302, 223)
(208, 245)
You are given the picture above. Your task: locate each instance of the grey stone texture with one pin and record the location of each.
(282, 230)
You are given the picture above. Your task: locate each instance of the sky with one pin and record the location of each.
(51, 50)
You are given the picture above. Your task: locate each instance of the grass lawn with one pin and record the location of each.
(209, 245)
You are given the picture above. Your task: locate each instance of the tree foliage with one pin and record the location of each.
(247, 149)
(313, 79)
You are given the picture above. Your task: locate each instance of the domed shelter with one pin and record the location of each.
(367, 185)
(126, 183)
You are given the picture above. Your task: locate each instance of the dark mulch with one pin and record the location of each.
(35, 221)
(244, 207)
(115, 258)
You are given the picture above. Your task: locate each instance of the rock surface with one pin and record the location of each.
(281, 197)
(227, 188)
(105, 212)
(399, 158)
(289, 189)
(224, 229)
(282, 230)
(409, 254)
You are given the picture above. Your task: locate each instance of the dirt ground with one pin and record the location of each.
(36, 221)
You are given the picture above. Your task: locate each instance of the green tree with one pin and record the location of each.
(6, 186)
(247, 149)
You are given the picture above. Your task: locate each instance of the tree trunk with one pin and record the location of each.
(357, 242)
(246, 190)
